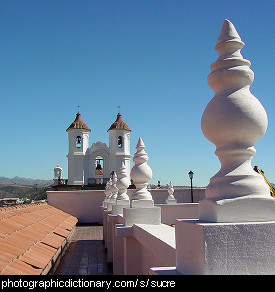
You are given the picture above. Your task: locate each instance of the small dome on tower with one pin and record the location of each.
(78, 123)
(119, 124)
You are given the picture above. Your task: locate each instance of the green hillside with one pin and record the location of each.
(21, 191)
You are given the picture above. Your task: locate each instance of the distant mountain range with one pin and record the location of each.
(24, 181)
(35, 182)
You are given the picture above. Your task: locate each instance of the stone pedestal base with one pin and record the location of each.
(225, 248)
(242, 209)
(141, 203)
(118, 207)
(171, 201)
(110, 204)
(145, 215)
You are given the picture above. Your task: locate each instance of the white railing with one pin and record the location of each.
(134, 248)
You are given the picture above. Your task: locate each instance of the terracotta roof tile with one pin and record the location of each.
(61, 231)
(53, 240)
(30, 237)
(67, 225)
(5, 247)
(7, 226)
(34, 236)
(119, 124)
(17, 267)
(35, 260)
(6, 257)
(38, 256)
(43, 249)
(16, 240)
(3, 263)
(53, 221)
(23, 219)
(78, 123)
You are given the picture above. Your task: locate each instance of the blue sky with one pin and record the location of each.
(150, 57)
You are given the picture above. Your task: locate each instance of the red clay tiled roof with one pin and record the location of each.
(78, 124)
(31, 237)
(119, 124)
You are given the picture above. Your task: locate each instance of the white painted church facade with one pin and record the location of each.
(94, 165)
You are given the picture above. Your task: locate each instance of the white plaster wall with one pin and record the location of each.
(85, 205)
(182, 195)
(225, 248)
(170, 213)
(149, 246)
(76, 171)
(118, 249)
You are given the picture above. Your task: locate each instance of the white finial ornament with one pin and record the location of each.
(122, 184)
(57, 174)
(234, 120)
(108, 190)
(107, 194)
(113, 188)
(171, 199)
(141, 174)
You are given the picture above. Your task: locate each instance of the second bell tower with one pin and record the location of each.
(119, 144)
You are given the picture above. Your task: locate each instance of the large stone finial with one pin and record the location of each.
(234, 120)
(113, 188)
(141, 173)
(122, 184)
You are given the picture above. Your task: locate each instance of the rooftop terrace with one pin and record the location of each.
(84, 253)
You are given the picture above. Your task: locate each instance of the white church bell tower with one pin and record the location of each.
(119, 144)
(78, 134)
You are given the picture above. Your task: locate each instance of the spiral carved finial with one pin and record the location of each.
(122, 184)
(234, 120)
(141, 173)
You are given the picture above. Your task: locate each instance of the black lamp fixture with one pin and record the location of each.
(191, 174)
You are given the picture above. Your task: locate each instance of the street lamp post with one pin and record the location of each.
(191, 174)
